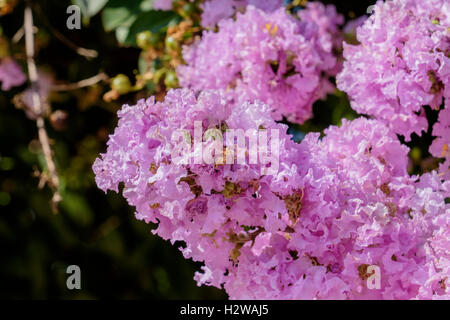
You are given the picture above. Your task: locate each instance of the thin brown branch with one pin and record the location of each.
(20, 33)
(52, 177)
(81, 84)
(87, 53)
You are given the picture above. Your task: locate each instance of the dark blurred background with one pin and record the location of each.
(119, 257)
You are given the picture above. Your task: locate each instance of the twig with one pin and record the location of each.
(87, 53)
(37, 106)
(80, 84)
(19, 34)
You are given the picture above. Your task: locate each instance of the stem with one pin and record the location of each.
(81, 84)
(53, 179)
(87, 53)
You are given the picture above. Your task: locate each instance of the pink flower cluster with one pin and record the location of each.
(216, 10)
(441, 145)
(214, 209)
(401, 65)
(162, 5)
(341, 205)
(273, 57)
(336, 206)
(359, 209)
(11, 74)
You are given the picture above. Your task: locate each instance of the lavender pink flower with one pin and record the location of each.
(441, 145)
(339, 205)
(272, 57)
(336, 206)
(11, 74)
(401, 64)
(162, 5)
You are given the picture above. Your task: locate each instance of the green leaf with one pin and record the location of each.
(134, 16)
(123, 29)
(146, 5)
(120, 13)
(90, 8)
(150, 20)
(122, 33)
(115, 17)
(77, 209)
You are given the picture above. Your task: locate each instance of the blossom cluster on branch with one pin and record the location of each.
(339, 203)
(401, 64)
(273, 57)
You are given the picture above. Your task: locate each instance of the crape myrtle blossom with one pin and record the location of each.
(327, 20)
(228, 147)
(336, 206)
(440, 147)
(401, 64)
(271, 57)
(359, 209)
(11, 75)
(333, 207)
(351, 26)
(162, 5)
(216, 10)
(214, 209)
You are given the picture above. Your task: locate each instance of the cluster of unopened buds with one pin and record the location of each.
(161, 52)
